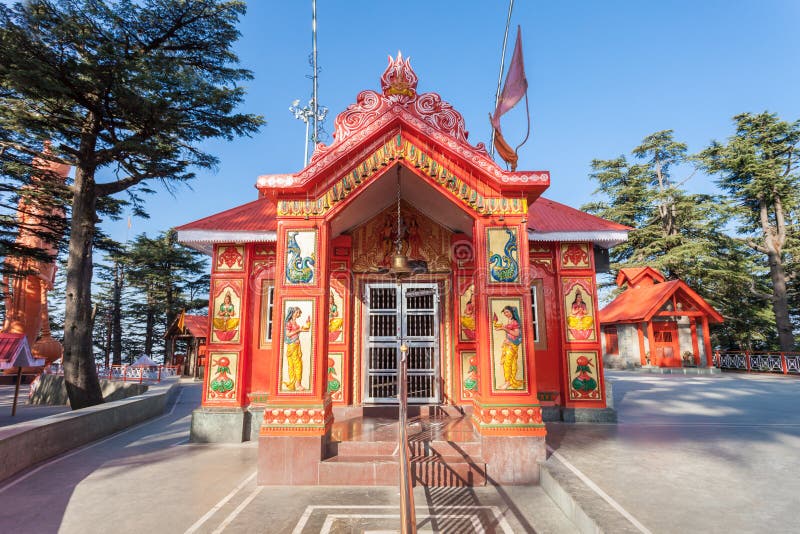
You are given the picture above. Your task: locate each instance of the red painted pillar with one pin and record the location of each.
(696, 344)
(506, 410)
(707, 341)
(583, 366)
(298, 415)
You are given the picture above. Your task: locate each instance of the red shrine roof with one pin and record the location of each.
(256, 221)
(252, 222)
(195, 325)
(549, 220)
(638, 304)
(639, 276)
(364, 127)
(400, 110)
(15, 352)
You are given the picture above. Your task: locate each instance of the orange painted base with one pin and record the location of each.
(297, 420)
(508, 420)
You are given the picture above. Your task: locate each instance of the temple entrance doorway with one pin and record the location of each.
(397, 314)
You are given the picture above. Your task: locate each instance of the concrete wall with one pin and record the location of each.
(628, 345)
(51, 390)
(28, 443)
(685, 335)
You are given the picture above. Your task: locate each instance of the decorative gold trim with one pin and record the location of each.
(402, 149)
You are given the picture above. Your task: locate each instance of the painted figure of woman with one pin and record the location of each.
(468, 319)
(579, 320)
(510, 347)
(226, 323)
(334, 321)
(294, 354)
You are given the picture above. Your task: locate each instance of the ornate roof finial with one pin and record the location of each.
(399, 82)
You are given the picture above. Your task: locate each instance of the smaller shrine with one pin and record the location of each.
(186, 347)
(656, 323)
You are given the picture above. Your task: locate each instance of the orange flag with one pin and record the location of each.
(515, 88)
(182, 320)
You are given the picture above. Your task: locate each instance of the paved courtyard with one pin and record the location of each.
(700, 454)
(696, 454)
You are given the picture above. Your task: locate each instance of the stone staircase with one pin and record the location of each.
(445, 450)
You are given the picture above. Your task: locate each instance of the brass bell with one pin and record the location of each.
(400, 266)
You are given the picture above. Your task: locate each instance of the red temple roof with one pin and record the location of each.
(197, 325)
(194, 325)
(256, 221)
(636, 276)
(252, 222)
(15, 352)
(549, 220)
(637, 304)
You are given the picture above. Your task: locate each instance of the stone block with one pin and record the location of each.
(589, 415)
(52, 391)
(253, 418)
(217, 425)
(290, 460)
(513, 460)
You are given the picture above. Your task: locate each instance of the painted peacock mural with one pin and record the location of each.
(299, 269)
(505, 268)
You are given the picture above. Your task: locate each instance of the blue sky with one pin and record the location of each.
(602, 75)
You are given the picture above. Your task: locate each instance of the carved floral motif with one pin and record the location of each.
(230, 258)
(575, 255)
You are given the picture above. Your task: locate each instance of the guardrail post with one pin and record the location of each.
(408, 517)
(158, 378)
(747, 361)
(784, 366)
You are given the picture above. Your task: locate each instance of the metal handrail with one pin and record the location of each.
(408, 516)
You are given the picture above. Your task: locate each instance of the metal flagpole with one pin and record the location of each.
(502, 66)
(313, 112)
(314, 104)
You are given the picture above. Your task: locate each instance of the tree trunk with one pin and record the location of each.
(148, 334)
(774, 239)
(171, 314)
(107, 343)
(780, 301)
(116, 344)
(80, 373)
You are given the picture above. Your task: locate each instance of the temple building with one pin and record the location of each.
(656, 323)
(400, 238)
(186, 347)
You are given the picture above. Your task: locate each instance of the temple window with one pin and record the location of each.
(535, 312)
(268, 302)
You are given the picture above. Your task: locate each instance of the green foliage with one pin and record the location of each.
(682, 235)
(144, 288)
(127, 91)
(758, 169)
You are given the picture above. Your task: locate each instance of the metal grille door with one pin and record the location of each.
(397, 314)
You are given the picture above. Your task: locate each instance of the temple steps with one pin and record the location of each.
(445, 451)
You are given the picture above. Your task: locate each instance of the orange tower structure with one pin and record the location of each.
(39, 228)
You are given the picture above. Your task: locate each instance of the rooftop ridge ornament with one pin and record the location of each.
(399, 81)
(355, 128)
(398, 97)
